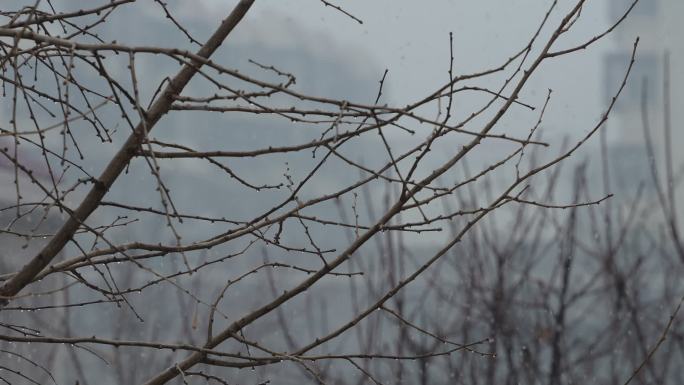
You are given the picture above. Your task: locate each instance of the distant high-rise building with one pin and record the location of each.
(23, 218)
(653, 98)
(659, 27)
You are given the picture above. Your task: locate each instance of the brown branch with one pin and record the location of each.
(123, 156)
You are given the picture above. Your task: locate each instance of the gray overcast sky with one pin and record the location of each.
(411, 39)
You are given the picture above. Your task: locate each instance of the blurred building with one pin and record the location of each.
(22, 229)
(655, 74)
(659, 27)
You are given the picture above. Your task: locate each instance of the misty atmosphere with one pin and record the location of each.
(330, 192)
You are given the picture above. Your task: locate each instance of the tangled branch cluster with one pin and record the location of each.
(251, 283)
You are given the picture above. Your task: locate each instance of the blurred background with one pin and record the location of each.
(547, 296)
